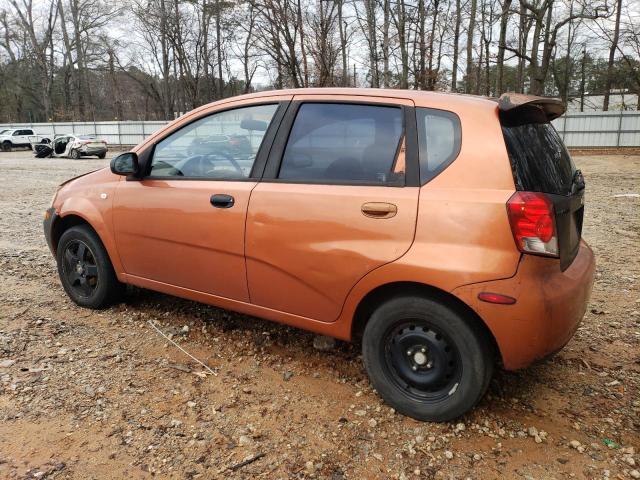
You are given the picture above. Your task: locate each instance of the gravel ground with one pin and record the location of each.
(87, 394)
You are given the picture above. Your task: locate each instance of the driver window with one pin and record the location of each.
(221, 146)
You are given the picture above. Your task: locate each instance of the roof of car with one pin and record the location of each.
(374, 92)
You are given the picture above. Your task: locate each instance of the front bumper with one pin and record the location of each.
(550, 305)
(50, 218)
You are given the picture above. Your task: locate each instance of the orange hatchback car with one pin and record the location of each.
(443, 231)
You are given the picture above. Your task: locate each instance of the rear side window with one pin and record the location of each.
(439, 138)
(539, 159)
(345, 143)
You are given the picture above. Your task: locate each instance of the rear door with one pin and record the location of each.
(541, 163)
(338, 199)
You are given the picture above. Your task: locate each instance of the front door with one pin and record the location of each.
(183, 224)
(341, 201)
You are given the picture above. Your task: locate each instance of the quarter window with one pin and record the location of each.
(439, 138)
(221, 146)
(345, 143)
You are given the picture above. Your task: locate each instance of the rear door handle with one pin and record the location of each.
(379, 210)
(221, 200)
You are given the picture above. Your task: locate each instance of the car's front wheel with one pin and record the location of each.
(426, 359)
(74, 154)
(85, 270)
(6, 146)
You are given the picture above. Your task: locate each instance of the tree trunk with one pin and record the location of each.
(470, 30)
(504, 20)
(456, 48)
(612, 57)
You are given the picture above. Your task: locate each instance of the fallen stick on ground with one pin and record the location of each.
(182, 349)
(246, 462)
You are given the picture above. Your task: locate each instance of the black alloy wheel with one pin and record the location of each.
(80, 268)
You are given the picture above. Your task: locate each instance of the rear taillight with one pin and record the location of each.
(533, 223)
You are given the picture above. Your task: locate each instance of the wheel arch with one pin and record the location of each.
(382, 293)
(64, 223)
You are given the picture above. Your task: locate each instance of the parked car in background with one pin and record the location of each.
(20, 138)
(442, 230)
(72, 146)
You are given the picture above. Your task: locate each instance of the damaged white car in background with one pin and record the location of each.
(72, 146)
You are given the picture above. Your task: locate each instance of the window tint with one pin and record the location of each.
(439, 138)
(17, 132)
(345, 143)
(221, 146)
(539, 159)
(28, 132)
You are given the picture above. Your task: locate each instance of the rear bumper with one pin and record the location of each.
(92, 150)
(550, 305)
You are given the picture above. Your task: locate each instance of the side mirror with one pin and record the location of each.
(125, 164)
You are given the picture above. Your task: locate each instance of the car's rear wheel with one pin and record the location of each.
(6, 146)
(74, 154)
(85, 270)
(102, 155)
(425, 359)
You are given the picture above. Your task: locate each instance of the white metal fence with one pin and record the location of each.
(600, 129)
(587, 129)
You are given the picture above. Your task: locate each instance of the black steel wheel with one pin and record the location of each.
(85, 270)
(422, 360)
(428, 360)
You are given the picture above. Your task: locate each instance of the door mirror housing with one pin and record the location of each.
(125, 164)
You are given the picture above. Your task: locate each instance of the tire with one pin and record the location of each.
(6, 146)
(426, 359)
(102, 156)
(74, 154)
(85, 271)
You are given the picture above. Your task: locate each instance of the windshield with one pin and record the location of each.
(86, 137)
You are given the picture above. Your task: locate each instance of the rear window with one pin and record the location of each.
(539, 159)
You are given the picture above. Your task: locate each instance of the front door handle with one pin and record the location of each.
(221, 200)
(379, 210)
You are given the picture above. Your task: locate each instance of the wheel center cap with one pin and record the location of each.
(79, 268)
(420, 358)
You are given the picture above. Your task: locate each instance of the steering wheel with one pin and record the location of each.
(227, 156)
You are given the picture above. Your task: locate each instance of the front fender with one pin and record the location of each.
(99, 217)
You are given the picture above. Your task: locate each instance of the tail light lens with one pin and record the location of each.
(533, 223)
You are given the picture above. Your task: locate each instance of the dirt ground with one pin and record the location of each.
(87, 394)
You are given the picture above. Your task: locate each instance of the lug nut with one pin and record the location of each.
(423, 350)
(409, 352)
(414, 368)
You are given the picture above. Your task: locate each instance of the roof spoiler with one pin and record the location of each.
(517, 104)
